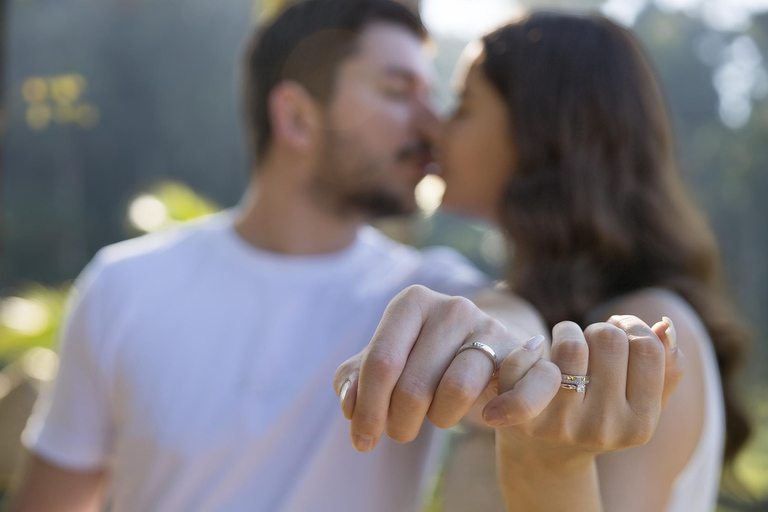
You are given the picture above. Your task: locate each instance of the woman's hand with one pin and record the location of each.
(632, 375)
(547, 462)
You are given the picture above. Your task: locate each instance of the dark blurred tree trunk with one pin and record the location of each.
(3, 19)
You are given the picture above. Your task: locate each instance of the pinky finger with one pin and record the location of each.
(674, 361)
(530, 396)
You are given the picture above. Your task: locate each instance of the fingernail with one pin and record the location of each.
(343, 393)
(534, 343)
(494, 417)
(671, 334)
(362, 442)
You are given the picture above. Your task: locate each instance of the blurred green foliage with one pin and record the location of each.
(31, 317)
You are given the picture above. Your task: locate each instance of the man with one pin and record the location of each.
(196, 364)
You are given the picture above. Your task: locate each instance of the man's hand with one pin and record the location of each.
(410, 369)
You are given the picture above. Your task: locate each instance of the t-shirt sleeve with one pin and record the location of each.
(70, 425)
(447, 271)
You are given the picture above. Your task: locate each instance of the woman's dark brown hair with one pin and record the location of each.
(595, 206)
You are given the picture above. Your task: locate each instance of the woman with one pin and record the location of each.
(562, 139)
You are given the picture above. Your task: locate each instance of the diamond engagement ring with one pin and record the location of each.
(577, 382)
(485, 349)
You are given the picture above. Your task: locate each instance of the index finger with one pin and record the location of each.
(383, 363)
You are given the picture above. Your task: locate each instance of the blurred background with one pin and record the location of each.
(121, 117)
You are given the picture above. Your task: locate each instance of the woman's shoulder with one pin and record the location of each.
(680, 428)
(650, 304)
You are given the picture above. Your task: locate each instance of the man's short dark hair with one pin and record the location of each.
(306, 43)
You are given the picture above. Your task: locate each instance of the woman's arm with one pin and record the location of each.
(549, 462)
(641, 479)
(533, 483)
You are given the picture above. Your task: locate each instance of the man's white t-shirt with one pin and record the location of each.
(199, 370)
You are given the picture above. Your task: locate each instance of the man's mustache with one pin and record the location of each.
(422, 149)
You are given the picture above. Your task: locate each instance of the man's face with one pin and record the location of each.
(379, 126)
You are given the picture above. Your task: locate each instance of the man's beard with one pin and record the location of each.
(349, 189)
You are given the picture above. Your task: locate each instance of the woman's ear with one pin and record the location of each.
(294, 116)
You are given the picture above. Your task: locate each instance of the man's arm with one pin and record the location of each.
(68, 435)
(44, 487)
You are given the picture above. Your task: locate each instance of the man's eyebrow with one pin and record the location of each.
(399, 72)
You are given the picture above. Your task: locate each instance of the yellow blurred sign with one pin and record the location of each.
(57, 99)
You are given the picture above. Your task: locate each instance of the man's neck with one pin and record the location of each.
(287, 222)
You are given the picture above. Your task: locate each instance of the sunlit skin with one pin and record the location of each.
(321, 155)
(382, 119)
(476, 143)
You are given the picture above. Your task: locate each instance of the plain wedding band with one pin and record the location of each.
(485, 349)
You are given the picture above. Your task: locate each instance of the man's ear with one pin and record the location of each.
(294, 115)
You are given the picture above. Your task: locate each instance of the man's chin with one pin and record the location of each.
(377, 206)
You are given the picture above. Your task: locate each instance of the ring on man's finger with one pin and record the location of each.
(485, 349)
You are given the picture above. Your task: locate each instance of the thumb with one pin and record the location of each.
(345, 383)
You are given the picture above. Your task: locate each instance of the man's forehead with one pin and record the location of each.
(395, 51)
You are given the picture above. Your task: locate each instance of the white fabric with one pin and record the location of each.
(696, 487)
(199, 370)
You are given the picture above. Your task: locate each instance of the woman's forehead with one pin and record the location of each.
(469, 57)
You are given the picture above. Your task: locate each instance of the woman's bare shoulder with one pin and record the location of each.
(650, 304)
(679, 430)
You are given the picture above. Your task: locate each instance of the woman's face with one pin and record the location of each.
(476, 146)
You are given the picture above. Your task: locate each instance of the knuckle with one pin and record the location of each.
(647, 348)
(597, 438)
(640, 433)
(416, 294)
(491, 328)
(459, 307)
(382, 364)
(525, 408)
(570, 350)
(565, 325)
(606, 336)
(410, 394)
(417, 291)
(459, 387)
(515, 361)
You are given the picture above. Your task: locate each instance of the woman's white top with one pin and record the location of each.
(696, 487)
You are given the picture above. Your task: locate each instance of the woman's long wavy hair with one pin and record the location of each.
(595, 206)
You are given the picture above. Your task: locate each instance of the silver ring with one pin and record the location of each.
(577, 382)
(485, 349)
